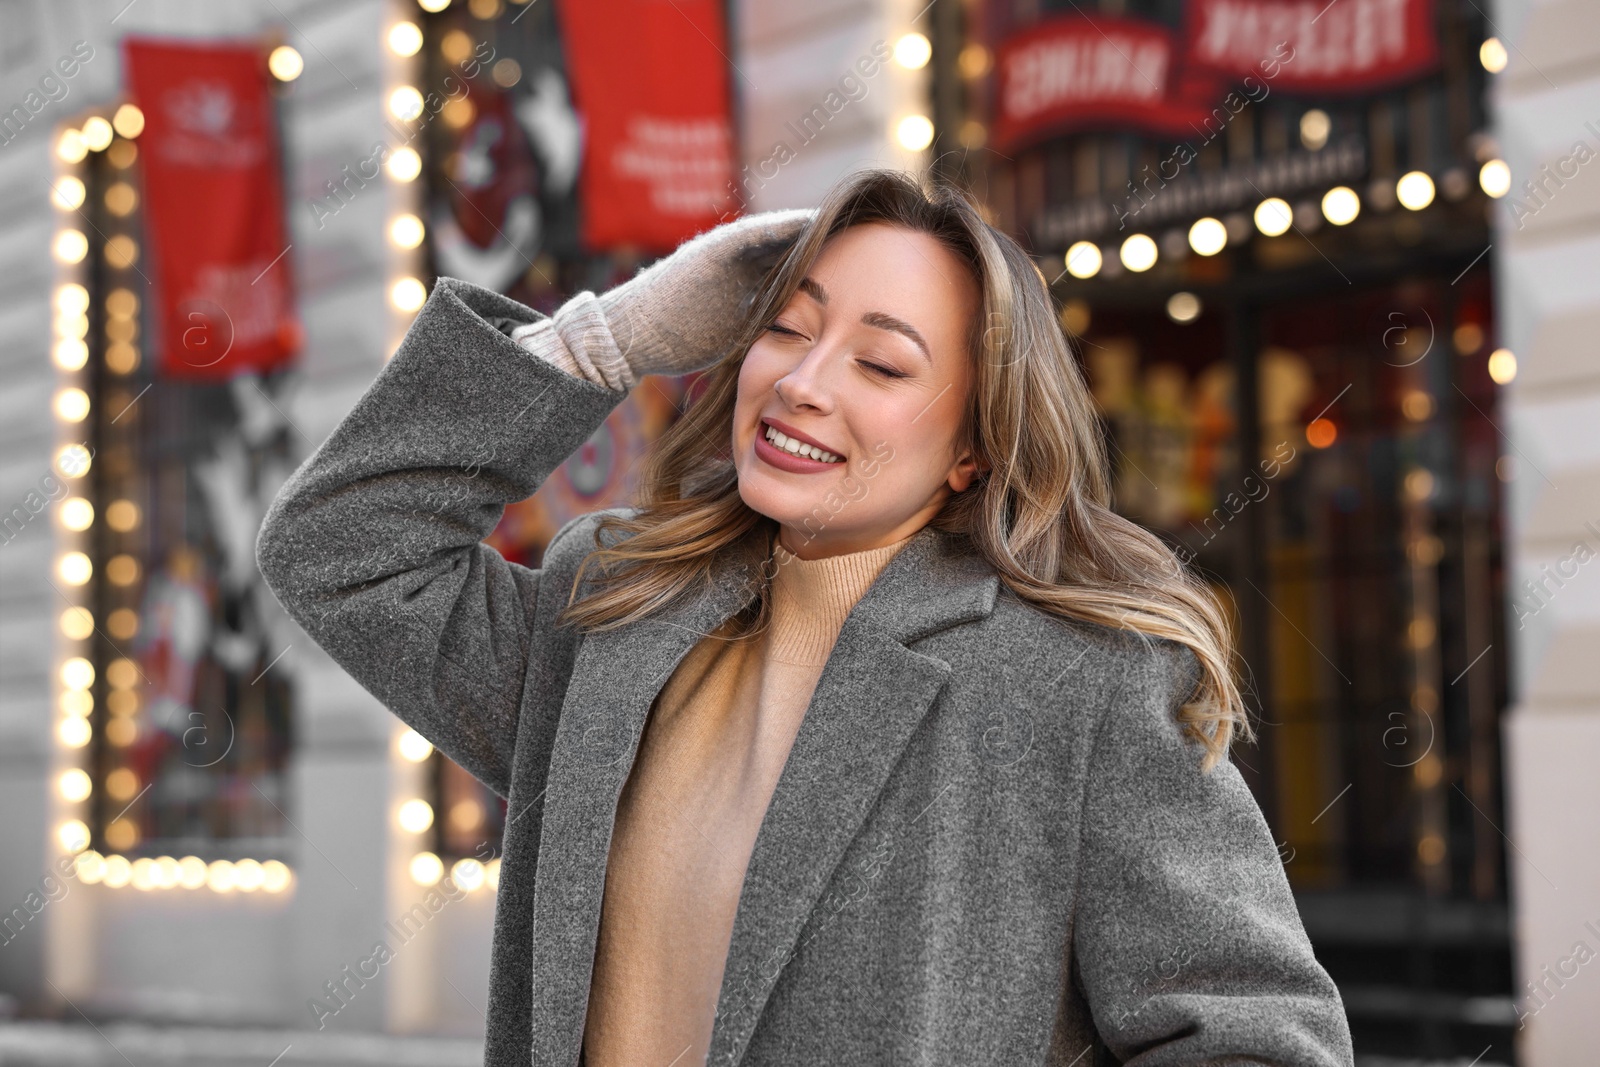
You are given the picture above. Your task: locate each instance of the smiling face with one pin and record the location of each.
(869, 362)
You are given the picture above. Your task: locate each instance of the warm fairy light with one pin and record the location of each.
(71, 404)
(117, 872)
(129, 120)
(122, 304)
(72, 299)
(1419, 483)
(913, 51)
(1083, 259)
(406, 231)
(74, 785)
(74, 732)
(67, 193)
(1492, 54)
(76, 623)
(275, 876)
(123, 623)
(77, 673)
(69, 353)
(467, 873)
(121, 199)
(70, 147)
(72, 835)
(433, 5)
(408, 294)
(404, 165)
(1138, 253)
(73, 461)
(1273, 216)
(415, 816)
(78, 702)
(219, 876)
(1495, 178)
(1414, 190)
(91, 867)
(122, 251)
(70, 246)
(1183, 307)
(426, 868)
(247, 875)
(122, 569)
(405, 39)
(415, 747)
(122, 673)
(122, 516)
(974, 61)
(1208, 236)
(97, 134)
(144, 874)
(76, 513)
(1320, 433)
(74, 568)
(1502, 366)
(491, 873)
(405, 103)
(1315, 125)
(1341, 205)
(191, 872)
(285, 63)
(914, 132)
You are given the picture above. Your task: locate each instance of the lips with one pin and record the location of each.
(790, 431)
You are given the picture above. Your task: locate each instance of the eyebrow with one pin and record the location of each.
(876, 319)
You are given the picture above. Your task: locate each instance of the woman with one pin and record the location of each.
(899, 747)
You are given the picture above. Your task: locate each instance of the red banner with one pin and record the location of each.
(1344, 47)
(1074, 72)
(649, 81)
(213, 207)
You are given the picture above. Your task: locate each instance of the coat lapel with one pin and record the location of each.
(869, 699)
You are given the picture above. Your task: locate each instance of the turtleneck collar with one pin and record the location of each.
(811, 598)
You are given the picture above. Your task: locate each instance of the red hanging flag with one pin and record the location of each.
(213, 208)
(649, 81)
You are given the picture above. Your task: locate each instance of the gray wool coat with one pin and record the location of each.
(990, 842)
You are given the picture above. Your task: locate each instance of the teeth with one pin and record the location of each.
(789, 444)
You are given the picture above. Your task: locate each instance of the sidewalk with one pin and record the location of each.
(121, 1044)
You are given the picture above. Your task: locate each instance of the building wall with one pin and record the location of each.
(238, 958)
(1547, 104)
(790, 57)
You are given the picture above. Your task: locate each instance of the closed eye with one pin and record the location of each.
(882, 371)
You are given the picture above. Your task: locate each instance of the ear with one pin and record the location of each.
(967, 468)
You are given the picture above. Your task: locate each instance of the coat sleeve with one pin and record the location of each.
(374, 544)
(1187, 942)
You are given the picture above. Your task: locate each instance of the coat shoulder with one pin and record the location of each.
(1021, 640)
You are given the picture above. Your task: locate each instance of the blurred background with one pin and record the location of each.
(1331, 268)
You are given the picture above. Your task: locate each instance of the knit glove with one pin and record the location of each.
(683, 312)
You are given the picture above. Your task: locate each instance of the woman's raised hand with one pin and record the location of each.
(683, 312)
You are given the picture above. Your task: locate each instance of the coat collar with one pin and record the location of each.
(869, 699)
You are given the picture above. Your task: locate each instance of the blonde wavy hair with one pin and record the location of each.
(1040, 515)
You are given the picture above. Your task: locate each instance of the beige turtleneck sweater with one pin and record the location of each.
(714, 745)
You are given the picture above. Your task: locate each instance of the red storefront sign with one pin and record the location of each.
(1074, 72)
(1080, 71)
(649, 81)
(1348, 46)
(213, 208)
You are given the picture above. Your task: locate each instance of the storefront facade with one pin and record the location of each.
(1271, 239)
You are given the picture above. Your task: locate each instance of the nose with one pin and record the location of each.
(810, 383)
